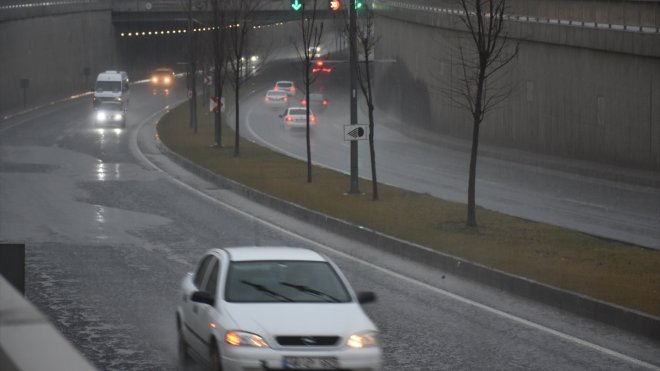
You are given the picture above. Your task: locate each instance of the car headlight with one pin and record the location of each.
(245, 339)
(119, 117)
(167, 80)
(364, 340)
(100, 116)
(154, 79)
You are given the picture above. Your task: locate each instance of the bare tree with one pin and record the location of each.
(367, 42)
(219, 62)
(311, 33)
(240, 15)
(481, 64)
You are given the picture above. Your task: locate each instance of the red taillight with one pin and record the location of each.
(286, 99)
(325, 102)
(293, 89)
(266, 99)
(303, 102)
(312, 118)
(289, 118)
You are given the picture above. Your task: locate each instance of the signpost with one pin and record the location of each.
(355, 132)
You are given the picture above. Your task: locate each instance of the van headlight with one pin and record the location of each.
(362, 340)
(119, 117)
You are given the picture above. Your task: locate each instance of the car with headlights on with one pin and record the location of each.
(276, 98)
(296, 117)
(274, 308)
(110, 112)
(162, 78)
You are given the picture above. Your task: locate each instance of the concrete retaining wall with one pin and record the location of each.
(583, 93)
(59, 52)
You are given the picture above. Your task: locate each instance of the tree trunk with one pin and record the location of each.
(237, 103)
(472, 214)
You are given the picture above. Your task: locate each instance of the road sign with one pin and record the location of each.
(216, 104)
(355, 132)
(207, 80)
(296, 5)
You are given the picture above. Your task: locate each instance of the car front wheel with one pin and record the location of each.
(216, 362)
(182, 348)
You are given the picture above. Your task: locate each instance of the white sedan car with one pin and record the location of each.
(276, 98)
(296, 117)
(273, 308)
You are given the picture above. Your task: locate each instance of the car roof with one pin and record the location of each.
(265, 253)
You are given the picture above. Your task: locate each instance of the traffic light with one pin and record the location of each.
(358, 4)
(296, 5)
(335, 5)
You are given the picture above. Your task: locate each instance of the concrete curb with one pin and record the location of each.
(620, 317)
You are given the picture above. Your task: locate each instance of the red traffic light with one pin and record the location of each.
(335, 5)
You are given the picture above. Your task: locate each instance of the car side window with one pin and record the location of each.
(201, 271)
(211, 284)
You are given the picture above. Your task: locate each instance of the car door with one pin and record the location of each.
(190, 308)
(201, 312)
(207, 314)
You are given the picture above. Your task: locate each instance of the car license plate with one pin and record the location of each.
(302, 363)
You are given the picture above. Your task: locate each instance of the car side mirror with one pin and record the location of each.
(366, 297)
(203, 297)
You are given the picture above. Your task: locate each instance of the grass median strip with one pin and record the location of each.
(612, 271)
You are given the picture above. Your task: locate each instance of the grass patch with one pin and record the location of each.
(616, 272)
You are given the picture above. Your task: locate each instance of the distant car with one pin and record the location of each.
(288, 86)
(110, 112)
(316, 101)
(274, 308)
(162, 77)
(276, 98)
(296, 117)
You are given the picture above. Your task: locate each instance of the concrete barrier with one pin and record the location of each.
(28, 341)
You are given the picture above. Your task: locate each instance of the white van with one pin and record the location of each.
(112, 86)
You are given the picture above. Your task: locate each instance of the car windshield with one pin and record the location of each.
(316, 97)
(284, 281)
(114, 86)
(276, 93)
(284, 84)
(298, 111)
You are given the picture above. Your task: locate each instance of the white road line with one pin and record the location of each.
(456, 297)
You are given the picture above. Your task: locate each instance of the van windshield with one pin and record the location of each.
(113, 86)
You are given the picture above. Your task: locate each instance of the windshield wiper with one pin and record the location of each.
(311, 291)
(262, 288)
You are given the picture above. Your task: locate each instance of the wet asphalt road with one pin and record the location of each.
(109, 238)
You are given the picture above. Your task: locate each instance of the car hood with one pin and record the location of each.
(281, 319)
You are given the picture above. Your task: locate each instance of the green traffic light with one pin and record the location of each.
(358, 4)
(296, 5)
